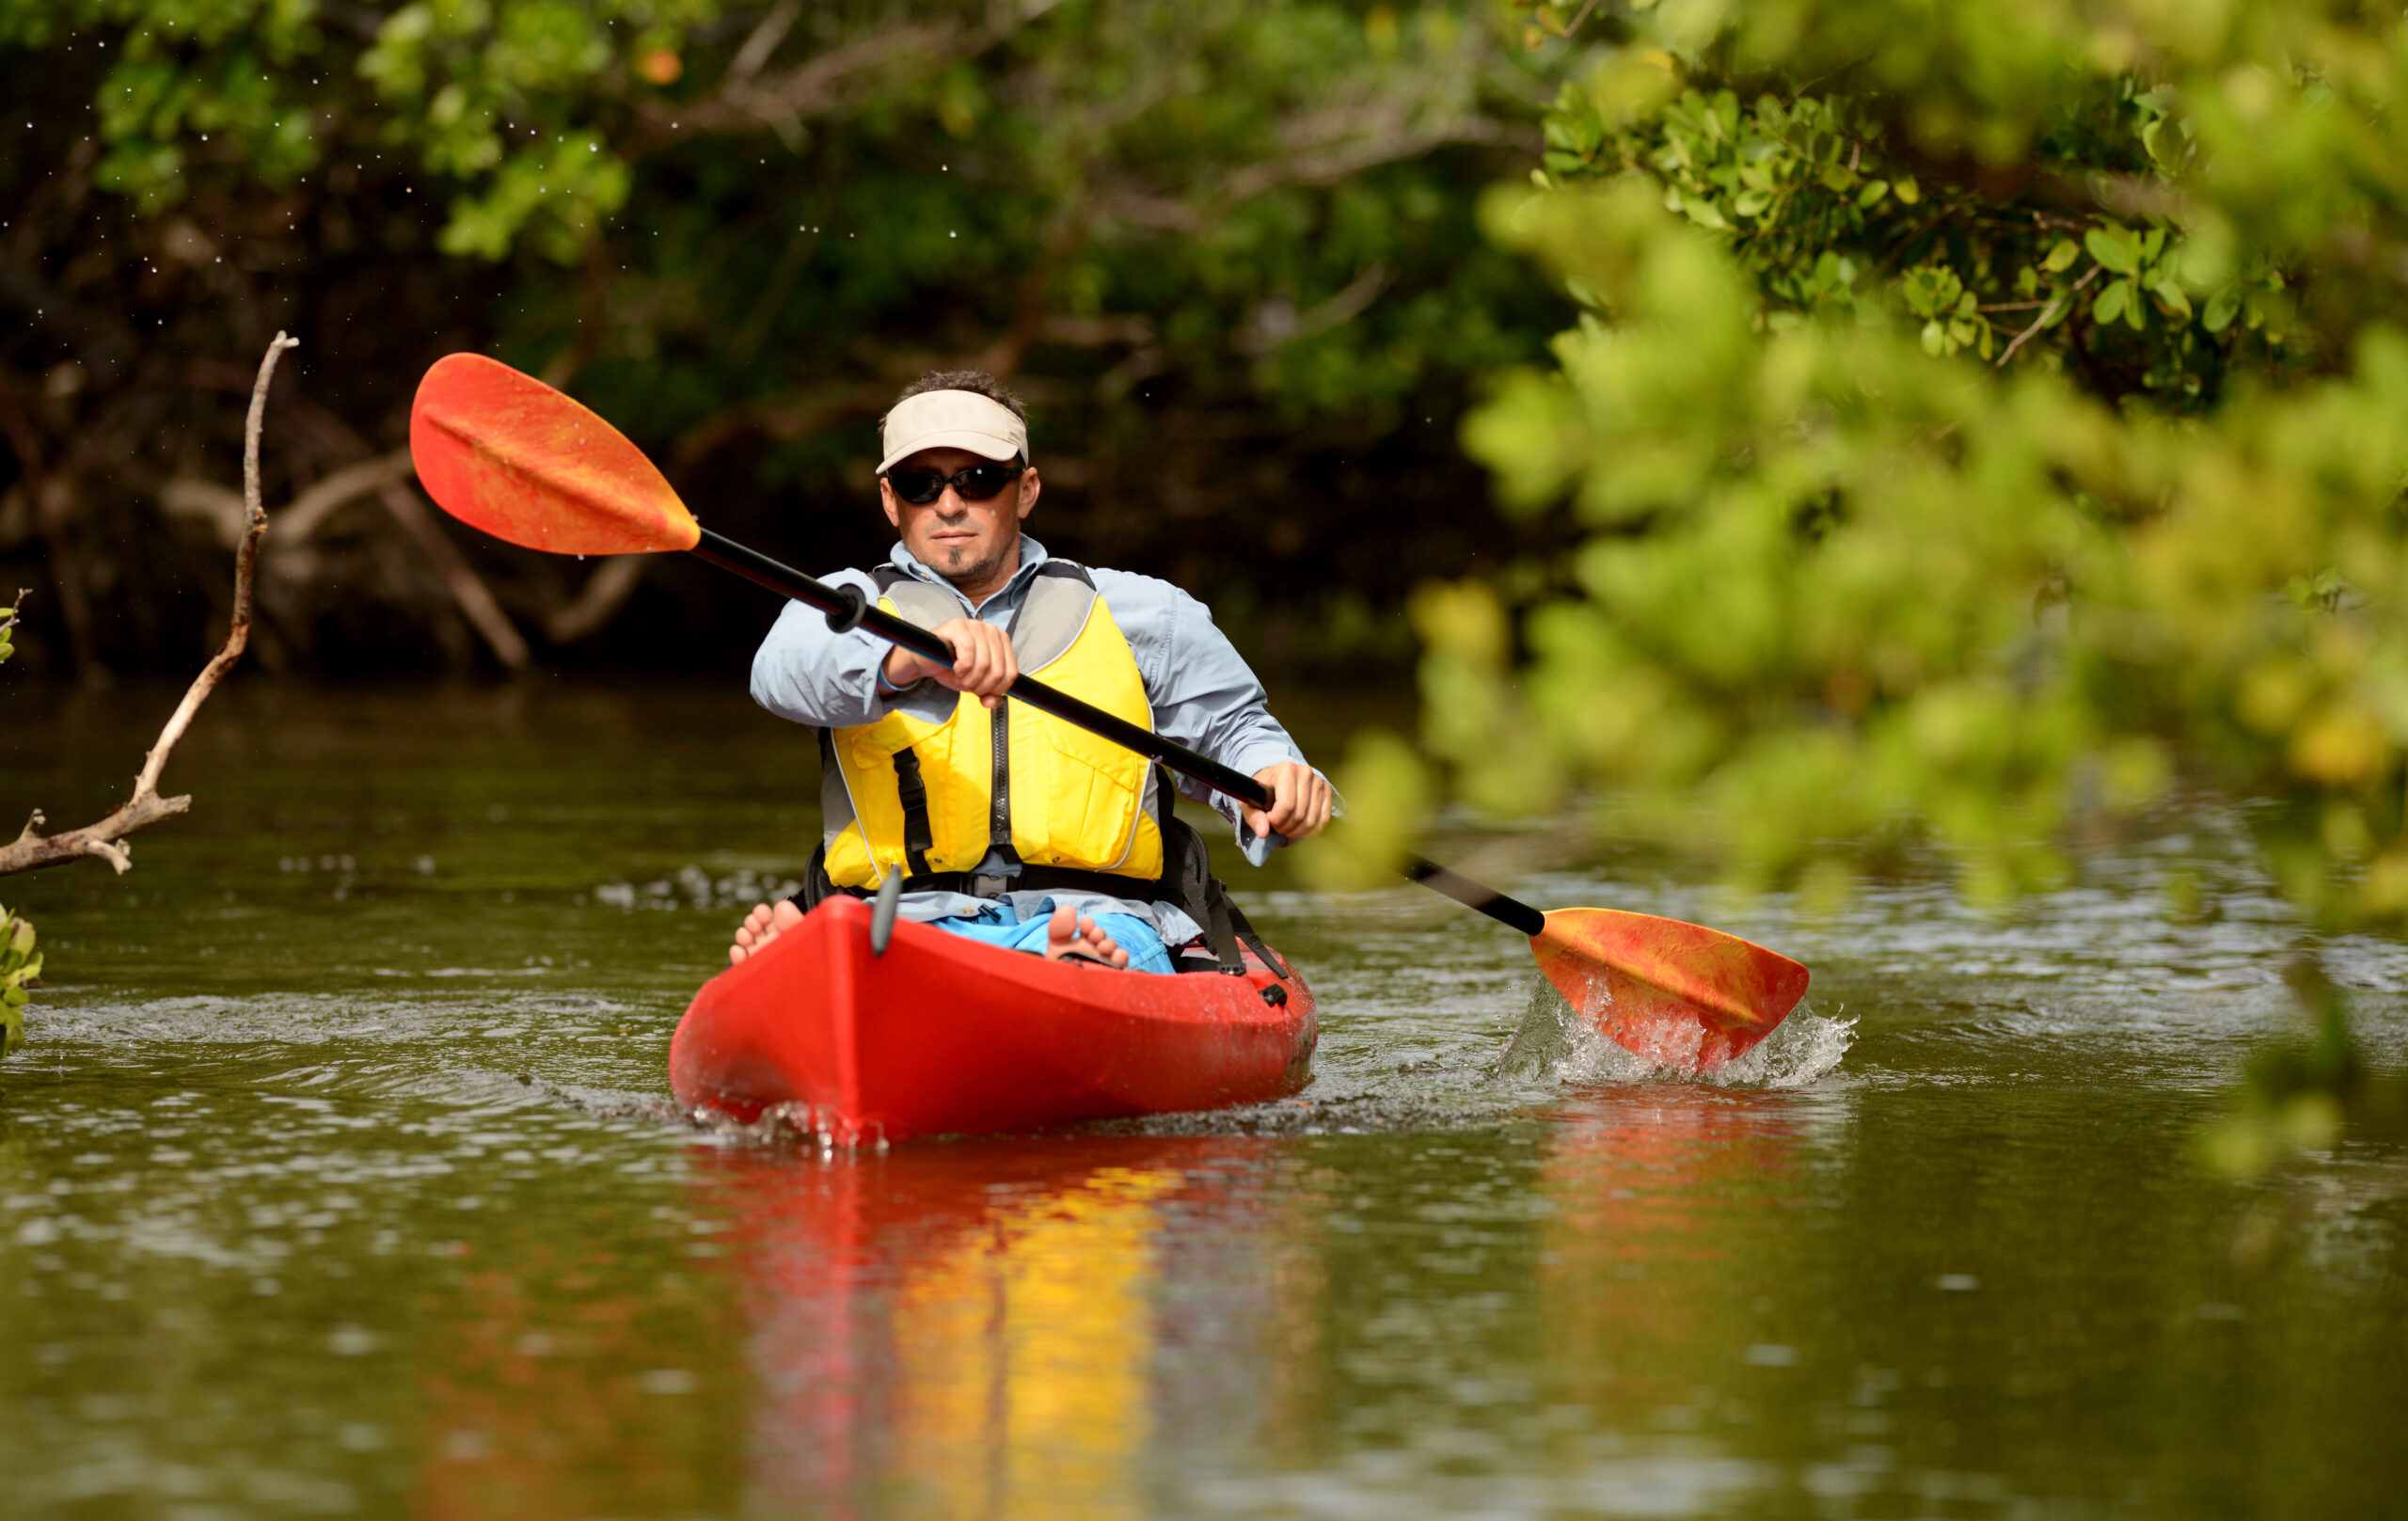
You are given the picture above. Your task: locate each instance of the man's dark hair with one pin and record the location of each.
(977, 381)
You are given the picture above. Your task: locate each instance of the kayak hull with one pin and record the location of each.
(946, 1034)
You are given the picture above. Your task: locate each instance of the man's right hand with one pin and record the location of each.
(982, 661)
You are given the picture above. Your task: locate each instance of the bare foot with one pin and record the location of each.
(1074, 937)
(763, 925)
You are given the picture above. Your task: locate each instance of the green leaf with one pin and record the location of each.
(1906, 190)
(2113, 248)
(2061, 257)
(2223, 306)
(2150, 140)
(2110, 302)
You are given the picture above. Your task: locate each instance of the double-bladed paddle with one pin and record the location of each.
(506, 454)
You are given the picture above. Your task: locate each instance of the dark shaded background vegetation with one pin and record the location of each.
(1225, 249)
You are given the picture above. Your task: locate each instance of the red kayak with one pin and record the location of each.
(946, 1034)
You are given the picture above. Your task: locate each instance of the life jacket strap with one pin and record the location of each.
(918, 839)
(1031, 879)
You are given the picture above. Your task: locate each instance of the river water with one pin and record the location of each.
(341, 1178)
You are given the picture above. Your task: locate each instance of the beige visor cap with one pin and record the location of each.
(953, 420)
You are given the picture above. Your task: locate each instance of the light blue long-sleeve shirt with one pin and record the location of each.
(1202, 694)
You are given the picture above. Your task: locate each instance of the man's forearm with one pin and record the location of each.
(805, 673)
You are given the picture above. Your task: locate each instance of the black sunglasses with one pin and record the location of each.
(975, 484)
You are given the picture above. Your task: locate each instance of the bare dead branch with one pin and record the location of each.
(1324, 150)
(187, 496)
(749, 99)
(598, 601)
(476, 599)
(764, 42)
(387, 475)
(1094, 332)
(106, 839)
(1277, 323)
(831, 81)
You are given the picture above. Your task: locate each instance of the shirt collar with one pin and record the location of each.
(1032, 554)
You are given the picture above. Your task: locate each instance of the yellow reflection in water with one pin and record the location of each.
(1022, 1355)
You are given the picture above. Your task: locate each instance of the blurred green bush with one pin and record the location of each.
(1978, 417)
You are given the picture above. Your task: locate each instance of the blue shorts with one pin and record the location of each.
(999, 925)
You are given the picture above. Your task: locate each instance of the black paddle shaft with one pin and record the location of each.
(845, 609)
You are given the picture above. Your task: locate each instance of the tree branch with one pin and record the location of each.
(387, 475)
(2042, 320)
(1322, 149)
(612, 582)
(187, 496)
(840, 79)
(476, 599)
(105, 839)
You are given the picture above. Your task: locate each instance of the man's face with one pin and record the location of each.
(971, 544)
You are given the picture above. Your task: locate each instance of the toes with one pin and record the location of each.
(761, 925)
(1093, 942)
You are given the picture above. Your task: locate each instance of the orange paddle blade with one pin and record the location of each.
(1680, 995)
(505, 452)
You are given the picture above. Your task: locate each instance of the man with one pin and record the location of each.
(1006, 824)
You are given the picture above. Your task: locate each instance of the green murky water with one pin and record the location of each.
(341, 1178)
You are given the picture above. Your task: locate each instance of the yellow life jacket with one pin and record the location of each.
(936, 801)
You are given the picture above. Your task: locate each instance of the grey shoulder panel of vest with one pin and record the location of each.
(918, 602)
(1053, 615)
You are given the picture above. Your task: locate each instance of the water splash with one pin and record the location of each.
(1553, 1043)
(790, 1125)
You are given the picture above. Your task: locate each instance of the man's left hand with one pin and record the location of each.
(1301, 799)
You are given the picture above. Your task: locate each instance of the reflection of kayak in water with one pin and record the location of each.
(1010, 1327)
(942, 1034)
